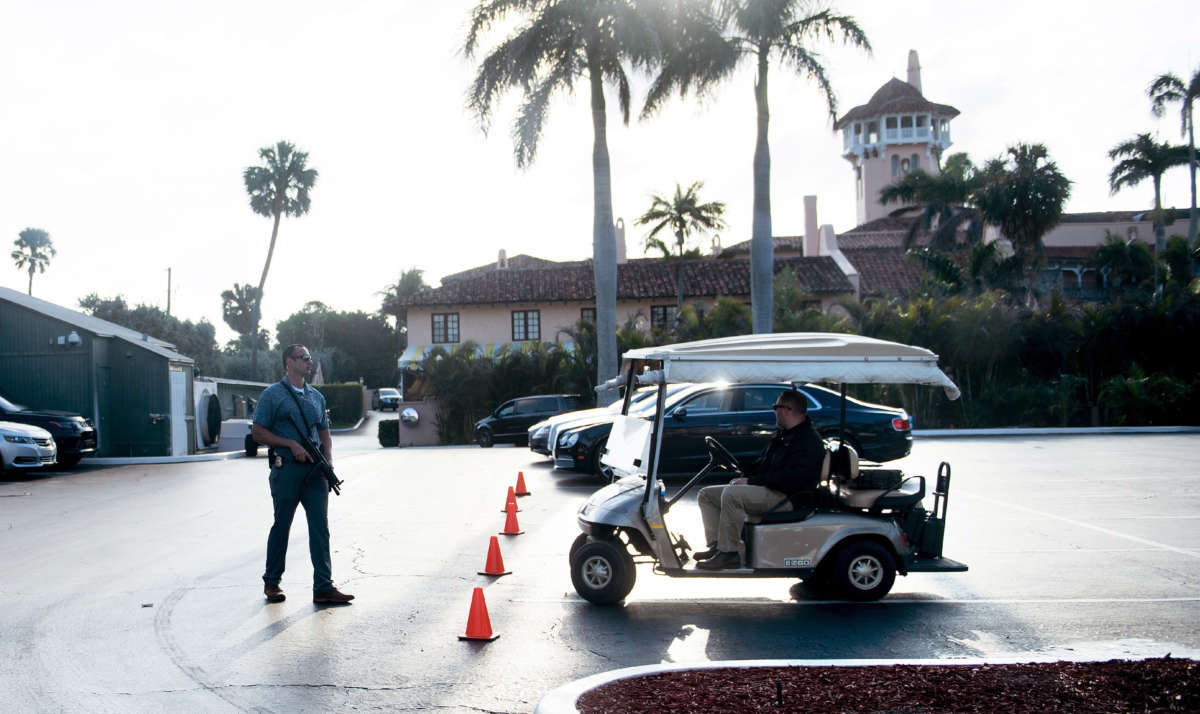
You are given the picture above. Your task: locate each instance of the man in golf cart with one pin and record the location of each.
(784, 478)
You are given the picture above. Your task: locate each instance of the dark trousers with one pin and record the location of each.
(293, 485)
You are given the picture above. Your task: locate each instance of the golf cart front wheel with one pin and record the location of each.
(864, 571)
(602, 572)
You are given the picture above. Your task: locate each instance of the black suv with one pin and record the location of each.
(512, 419)
(74, 435)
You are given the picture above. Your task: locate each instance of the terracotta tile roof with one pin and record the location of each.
(636, 280)
(884, 272)
(895, 97)
(782, 243)
(1118, 216)
(516, 262)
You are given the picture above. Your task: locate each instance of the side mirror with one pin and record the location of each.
(679, 414)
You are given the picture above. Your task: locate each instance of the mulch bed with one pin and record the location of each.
(1153, 685)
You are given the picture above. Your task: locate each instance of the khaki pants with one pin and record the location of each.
(724, 509)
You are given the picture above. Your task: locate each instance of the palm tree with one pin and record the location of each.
(1023, 194)
(239, 309)
(32, 251)
(277, 188)
(1122, 263)
(684, 215)
(986, 270)
(1169, 88)
(1143, 158)
(761, 30)
(946, 198)
(558, 43)
(411, 282)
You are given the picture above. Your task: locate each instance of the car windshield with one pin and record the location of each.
(388, 393)
(10, 406)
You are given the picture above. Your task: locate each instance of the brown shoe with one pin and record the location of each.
(332, 595)
(273, 593)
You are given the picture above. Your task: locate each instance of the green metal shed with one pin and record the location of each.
(135, 388)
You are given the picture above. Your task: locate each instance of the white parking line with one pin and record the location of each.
(1081, 524)
(886, 601)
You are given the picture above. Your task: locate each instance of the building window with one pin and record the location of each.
(445, 327)
(662, 317)
(872, 132)
(526, 325)
(588, 314)
(916, 163)
(895, 165)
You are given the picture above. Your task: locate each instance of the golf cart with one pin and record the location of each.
(871, 523)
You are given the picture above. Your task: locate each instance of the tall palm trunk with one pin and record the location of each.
(258, 301)
(1160, 231)
(30, 290)
(604, 240)
(679, 275)
(1192, 224)
(762, 247)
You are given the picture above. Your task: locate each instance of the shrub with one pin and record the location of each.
(389, 432)
(345, 403)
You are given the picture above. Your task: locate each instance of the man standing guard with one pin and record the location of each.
(284, 409)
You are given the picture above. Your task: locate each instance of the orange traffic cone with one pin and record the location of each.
(511, 500)
(479, 627)
(510, 524)
(495, 563)
(521, 490)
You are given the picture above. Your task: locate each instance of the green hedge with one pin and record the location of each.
(345, 403)
(389, 432)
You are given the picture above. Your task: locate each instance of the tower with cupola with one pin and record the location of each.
(898, 131)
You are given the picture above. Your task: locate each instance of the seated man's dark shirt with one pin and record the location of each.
(791, 464)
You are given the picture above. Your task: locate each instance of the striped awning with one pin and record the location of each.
(414, 354)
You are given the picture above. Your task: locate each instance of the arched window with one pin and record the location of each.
(895, 165)
(916, 163)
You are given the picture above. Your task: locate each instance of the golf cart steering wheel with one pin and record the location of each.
(720, 455)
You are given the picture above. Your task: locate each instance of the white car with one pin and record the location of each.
(23, 446)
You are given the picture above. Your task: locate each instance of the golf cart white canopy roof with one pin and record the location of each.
(796, 357)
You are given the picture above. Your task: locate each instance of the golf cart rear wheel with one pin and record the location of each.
(864, 571)
(602, 572)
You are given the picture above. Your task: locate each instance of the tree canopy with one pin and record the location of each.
(32, 252)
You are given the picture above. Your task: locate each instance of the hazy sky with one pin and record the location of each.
(125, 127)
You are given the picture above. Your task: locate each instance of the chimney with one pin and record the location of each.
(811, 238)
(830, 241)
(914, 70)
(502, 260)
(620, 228)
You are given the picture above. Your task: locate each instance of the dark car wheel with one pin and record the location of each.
(594, 465)
(602, 572)
(863, 570)
(69, 461)
(483, 437)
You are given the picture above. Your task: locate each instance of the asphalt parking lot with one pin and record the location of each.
(137, 588)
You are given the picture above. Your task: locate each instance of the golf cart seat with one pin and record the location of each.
(795, 515)
(872, 489)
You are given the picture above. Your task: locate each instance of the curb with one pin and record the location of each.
(132, 460)
(1058, 431)
(561, 700)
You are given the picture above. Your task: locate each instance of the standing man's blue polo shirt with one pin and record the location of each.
(275, 406)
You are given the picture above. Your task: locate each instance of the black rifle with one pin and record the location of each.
(319, 460)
